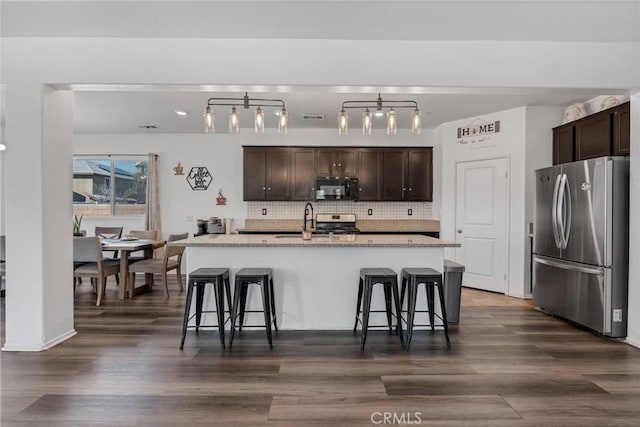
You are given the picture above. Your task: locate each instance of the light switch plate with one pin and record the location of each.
(409, 212)
(264, 211)
(369, 211)
(617, 315)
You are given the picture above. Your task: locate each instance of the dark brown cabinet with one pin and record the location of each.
(289, 173)
(369, 174)
(266, 173)
(605, 133)
(622, 130)
(563, 144)
(303, 175)
(336, 162)
(593, 136)
(419, 184)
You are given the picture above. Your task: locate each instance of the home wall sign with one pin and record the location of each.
(477, 131)
(199, 178)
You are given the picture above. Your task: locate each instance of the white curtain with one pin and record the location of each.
(152, 213)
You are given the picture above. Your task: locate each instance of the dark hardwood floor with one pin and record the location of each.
(509, 365)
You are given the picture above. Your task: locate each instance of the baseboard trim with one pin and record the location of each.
(45, 346)
(632, 342)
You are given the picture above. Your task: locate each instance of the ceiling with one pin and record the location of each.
(104, 110)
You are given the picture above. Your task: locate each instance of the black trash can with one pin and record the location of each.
(452, 289)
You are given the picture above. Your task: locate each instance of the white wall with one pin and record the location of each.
(222, 155)
(538, 154)
(524, 139)
(633, 322)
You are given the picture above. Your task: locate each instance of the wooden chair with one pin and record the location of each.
(147, 235)
(172, 260)
(87, 251)
(110, 233)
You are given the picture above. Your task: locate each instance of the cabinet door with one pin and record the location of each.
(393, 169)
(303, 175)
(347, 163)
(593, 136)
(419, 185)
(278, 173)
(563, 144)
(622, 130)
(327, 162)
(254, 172)
(369, 174)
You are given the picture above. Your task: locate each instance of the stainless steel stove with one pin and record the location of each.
(336, 223)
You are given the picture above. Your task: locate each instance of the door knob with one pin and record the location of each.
(459, 231)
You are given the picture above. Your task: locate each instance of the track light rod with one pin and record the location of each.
(380, 104)
(247, 102)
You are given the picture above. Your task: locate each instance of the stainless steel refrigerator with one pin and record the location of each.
(581, 243)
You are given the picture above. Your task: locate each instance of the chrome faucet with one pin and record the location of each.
(306, 213)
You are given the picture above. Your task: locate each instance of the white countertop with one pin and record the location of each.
(293, 240)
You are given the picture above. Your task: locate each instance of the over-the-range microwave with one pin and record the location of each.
(336, 188)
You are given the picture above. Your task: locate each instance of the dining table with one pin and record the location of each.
(126, 246)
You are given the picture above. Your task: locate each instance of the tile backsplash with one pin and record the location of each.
(379, 210)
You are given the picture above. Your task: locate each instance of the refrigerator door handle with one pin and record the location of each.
(565, 207)
(554, 212)
(570, 266)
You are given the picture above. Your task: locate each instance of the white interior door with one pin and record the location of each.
(481, 223)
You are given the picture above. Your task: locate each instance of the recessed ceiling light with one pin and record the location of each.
(148, 127)
(180, 112)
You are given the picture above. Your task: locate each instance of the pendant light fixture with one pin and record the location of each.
(379, 106)
(246, 102)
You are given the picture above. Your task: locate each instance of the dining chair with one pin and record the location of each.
(152, 235)
(87, 252)
(172, 260)
(110, 233)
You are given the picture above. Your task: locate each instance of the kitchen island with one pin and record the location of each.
(316, 281)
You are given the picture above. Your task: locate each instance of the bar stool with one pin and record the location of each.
(262, 277)
(389, 279)
(219, 278)
(411, 278)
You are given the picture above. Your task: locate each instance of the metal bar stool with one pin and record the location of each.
(219, 278)
(264, 278)
(389, 279)
(411, 278)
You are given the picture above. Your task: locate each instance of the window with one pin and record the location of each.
(108, 186)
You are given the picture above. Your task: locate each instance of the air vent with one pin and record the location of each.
(148, 127)
(313, 117)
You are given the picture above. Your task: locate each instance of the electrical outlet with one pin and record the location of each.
(189, 218)
(264, 211)
(409, 212)
(369, 211)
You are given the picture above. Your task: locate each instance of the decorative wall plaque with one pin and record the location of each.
(199, 178)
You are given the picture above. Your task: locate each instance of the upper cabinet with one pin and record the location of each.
(289, 173)
(622, 130)
(563, 144)
(605, 133)
(407, 174)
(267, 173)
(336, 162)
(303, 174)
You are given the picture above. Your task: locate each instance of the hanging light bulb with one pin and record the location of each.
(234, 123)
(416, 122)
(283, 121)
(343, 123)
(258, 120)
(366, 122)
(392, 122)
(208, 120)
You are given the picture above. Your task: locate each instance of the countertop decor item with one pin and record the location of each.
(246, 102)
(221, 200)
(178, 169)
(609, 101)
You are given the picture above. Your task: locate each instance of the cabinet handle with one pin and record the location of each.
(264, 188)
(334, 164)
(269, 188)
(339, 164)
(313, 189)
(410, 189)
(404, 189)
(360, 189)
